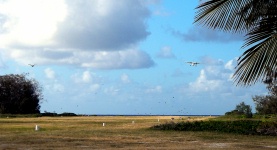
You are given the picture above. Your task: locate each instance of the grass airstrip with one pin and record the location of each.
(117, 132)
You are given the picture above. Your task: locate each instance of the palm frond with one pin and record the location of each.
(258, 18)
(254, 62)
(227, 15)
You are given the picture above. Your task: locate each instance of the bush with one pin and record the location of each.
(49, 114)
(252, 127)
(67, 114)
(242, 110)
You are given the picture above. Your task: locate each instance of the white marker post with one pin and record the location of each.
(37, 128)
(104, 124)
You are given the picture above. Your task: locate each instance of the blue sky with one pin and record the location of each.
(122, 57)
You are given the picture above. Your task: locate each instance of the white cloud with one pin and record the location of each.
(213, 89)
(58, 87)
(50, 74)
(165, 52)
(103, 25)
(204, 84)
(125, 78)
(30, 22)
(54, 87)
(128, 59)
(156, 89)
(111, 90)
(94, 87)
(99, 34)
(215, 82)
(230, 65)
(86, 77)
(214, 77)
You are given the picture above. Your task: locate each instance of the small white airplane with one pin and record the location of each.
(193, 63)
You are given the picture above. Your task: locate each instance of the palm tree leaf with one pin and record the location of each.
(255, 61)
(261, 57)
(227, 15)
(256, 17)
(267, 27)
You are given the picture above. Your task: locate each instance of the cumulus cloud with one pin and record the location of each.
(204, 84)
(103, 25)
(84, 77)
(30, 22)
(83, 33)
(230, 64)
(53, 83)
(165, 52)
(50, 74)
(156, 89)
(125, 78)
(58, 87)
(128, 59)
(199, 34)
(214, 89)
(214, 76)
(94, 87)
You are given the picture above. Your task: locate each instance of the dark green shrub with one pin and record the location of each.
(242, 111)
(267, 128)
(49, 114)
(238, 126)
(67, 114)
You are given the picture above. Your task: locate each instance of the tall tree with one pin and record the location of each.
(267, 104)
(258, 20)
(19, 95)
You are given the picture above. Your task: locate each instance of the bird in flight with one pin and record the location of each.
(32, 65)
(193, 63)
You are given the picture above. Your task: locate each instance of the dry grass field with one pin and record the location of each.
(119, 132)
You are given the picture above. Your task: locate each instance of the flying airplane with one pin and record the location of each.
(193, 63)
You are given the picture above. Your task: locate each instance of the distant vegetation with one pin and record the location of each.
(45, 114)
(55, 114)
(252, 127)
(241, 120)
(242, 110)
